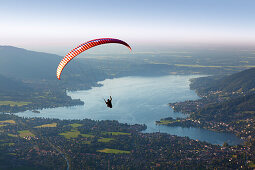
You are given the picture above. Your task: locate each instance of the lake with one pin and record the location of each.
(137, 100)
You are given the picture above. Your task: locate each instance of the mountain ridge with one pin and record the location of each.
(20, 63)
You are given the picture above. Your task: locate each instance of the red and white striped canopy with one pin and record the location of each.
(83, 47)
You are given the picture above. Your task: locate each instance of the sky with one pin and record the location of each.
(59, 25)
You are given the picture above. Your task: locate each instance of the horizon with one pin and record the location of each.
(58, 26)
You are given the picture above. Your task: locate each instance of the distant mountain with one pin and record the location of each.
(243, 81)
(39, 67)
(24, 64)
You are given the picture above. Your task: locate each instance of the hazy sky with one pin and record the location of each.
(53, 25)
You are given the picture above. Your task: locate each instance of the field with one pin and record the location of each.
(74, 134)
(12, 103)
(166, 122)
(47, 125)
(75, 125)
(87, 135)
(71, 134)
(115, 151)
(86, 142)
(115, 133)
(8, 121)
(105, 140)
(12, 135)
(25, 133)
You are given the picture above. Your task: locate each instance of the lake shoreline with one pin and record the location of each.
(145, 109)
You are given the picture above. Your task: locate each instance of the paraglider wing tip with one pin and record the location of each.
(129, 47)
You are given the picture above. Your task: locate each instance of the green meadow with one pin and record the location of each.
(47, 125)
(105, 140)
(115, 133)
(13, 103)
(115, 151)
(25, 133)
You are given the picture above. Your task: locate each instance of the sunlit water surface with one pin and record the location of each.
(141, 100)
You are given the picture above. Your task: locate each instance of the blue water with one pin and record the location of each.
(141, 100)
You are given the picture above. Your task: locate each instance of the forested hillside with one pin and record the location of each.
(243, 81)
(9, 85)
(227, 98)
(231, 110)
(28, 81)
(226, 104)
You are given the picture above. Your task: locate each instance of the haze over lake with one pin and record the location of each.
(137, 100)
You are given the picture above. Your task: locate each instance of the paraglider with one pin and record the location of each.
(83, 47)
(108, 102)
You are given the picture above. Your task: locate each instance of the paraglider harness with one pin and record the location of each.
(108, 102)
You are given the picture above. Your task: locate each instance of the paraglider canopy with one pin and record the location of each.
(83, 47)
